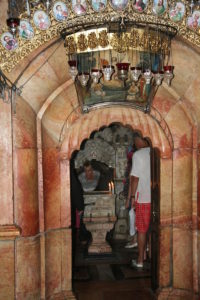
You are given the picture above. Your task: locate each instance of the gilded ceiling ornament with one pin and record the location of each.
(145, 41)
(70, 45)
(134, 38)
(82, 42)
(120, 43)
(92, 40)
(103, 39)
(156, 44)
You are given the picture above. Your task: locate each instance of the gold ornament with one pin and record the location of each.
(92, 40)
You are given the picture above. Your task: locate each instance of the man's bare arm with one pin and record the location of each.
(133, 183)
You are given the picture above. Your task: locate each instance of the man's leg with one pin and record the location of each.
(141, 246)
(142, 224)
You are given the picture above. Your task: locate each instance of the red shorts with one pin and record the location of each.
(142, 216)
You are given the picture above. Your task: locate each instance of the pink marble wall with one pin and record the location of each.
(25, 169)
(28, 268)
(52, 201)
(26, 201)
(58, 262)
(7, 270)
(182, 258)
(6, 181)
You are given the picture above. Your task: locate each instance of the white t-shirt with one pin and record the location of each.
(141, 169)
(87, 184)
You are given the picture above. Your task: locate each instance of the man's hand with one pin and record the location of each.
(127, 203)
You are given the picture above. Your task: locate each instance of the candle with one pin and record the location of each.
(112, 187)
(109, 186)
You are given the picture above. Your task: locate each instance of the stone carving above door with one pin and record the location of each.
(96, 149)
(105, 148)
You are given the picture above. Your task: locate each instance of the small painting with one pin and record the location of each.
(99, 5)
(26, 30)
(140, 5)
(8, 41)
(79, 7)
(119, 4)
(60, 11)
(194, 21)
(177, 12)
(41, 20)
(159, 7)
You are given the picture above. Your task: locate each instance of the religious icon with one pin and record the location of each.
(26, 30)
(194, 21)
(60, 11)
(159, 7)
(140, 5)
(41, 20)
(79, 7)
(119, 4)
(8, 41)
(99, 5)
(177, 12)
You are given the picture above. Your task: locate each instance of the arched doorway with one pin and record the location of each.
(87, 264)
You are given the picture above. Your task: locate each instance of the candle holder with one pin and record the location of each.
(122, 72)
(13, 24)
(108, 72)
(147, 76)
(73, 69)
(83, 78)
(168, 74)
(135, 73)
(96, 75)
(158, 76)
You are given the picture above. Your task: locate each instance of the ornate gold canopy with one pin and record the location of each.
(74, 23)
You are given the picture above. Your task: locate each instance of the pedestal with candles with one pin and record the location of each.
(99, 218)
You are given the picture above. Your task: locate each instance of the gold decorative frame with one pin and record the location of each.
(9, 59)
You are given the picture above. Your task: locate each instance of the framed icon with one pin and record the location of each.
(60, 11)
(177, 12)
(99, 5)
(159, 7)
(26, 30)
(41, 20)
(79, 7)
(140, 5)
(119, 4)
(8, 41)
(194, 21)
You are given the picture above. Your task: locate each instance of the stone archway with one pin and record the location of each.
(136, 120)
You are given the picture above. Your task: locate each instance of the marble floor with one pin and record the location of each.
(110, 277)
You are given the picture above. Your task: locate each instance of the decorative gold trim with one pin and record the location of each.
(9, 59)
(99, 39)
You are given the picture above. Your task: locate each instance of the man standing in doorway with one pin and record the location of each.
(140, 193)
